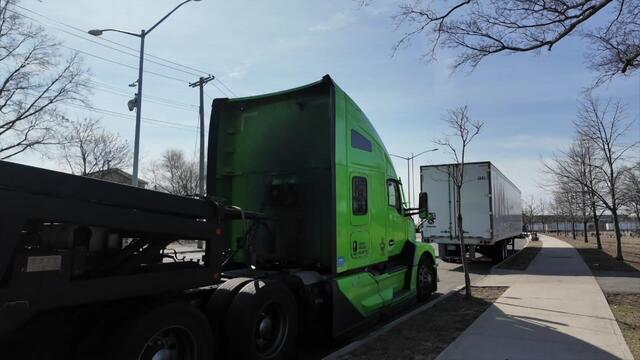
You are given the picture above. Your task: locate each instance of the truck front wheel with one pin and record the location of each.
(262, 322)
(171, 331)
(426, 278)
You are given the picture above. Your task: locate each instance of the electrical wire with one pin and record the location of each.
(130, 117)
(145, 99)
(157, 98)
(201, 72)
(124, 65)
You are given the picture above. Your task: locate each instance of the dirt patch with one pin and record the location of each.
(427, 334)
(605, 259)
(626, 309)
(522, 259)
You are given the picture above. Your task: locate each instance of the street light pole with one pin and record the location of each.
(136, 143)
(138, 102)
(410, 171)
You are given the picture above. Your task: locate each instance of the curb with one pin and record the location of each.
(359, 342)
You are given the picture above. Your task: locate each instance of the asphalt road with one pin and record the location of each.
(450, 276)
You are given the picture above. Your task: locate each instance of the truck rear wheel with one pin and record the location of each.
(426, 278)
(262, 322)
(222, 298)
(172, 331)
(499, 251)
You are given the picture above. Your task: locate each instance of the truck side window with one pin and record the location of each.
(393, 193)
(359, 195)
(359, 141)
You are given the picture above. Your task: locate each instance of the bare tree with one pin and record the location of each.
(88, 148)
(529, 210)
(603, 127)
(175, 174)
(542, 211)
(34, 80)
(631, 191)
(481, 28)
(464, 130)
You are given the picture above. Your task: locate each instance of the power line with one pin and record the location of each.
(122, 64)
(130, 117)
(153, 97)
(201, 72)
(125, 95)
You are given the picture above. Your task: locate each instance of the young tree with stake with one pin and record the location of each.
(464, 130)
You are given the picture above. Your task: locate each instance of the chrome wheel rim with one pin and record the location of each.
(170, 343)
(271, 330)
(424, 277)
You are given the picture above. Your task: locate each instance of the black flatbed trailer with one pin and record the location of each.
(32, 196)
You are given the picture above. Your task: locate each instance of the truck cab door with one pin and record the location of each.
(396, 224)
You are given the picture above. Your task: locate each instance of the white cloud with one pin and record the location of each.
(335, 22)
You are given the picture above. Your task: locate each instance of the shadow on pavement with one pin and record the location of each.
(496, 335)
(556, 259)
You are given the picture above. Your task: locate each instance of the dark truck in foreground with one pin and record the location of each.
(304, 229)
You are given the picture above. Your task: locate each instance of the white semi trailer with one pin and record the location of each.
(491, 210)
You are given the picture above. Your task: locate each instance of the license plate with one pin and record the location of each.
(451, 247)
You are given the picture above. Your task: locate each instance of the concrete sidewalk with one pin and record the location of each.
(553, 310)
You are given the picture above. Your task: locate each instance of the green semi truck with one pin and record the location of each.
(305, 232)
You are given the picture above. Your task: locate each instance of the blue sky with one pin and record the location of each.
(526, 101)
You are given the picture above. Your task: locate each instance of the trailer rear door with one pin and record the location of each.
(476, 216)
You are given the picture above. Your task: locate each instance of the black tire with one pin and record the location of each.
(426, 278)
(178, 329)
(222, 298)
(262, 322)
(499, 251)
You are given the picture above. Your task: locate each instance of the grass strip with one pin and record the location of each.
(427, 334)
(626, 309)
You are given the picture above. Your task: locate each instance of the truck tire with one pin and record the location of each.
(499, 251)
(221, 300)
(262, 322)
(169, 331)
(426, 278)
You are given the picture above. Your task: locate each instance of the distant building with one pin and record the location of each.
(561, 223)
(117, 176)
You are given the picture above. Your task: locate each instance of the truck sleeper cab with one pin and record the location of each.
(310, 161)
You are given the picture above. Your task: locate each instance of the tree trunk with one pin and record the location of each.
(463, 252)
(584, 229)
(596, 223)
(573, 229)
(616, 225)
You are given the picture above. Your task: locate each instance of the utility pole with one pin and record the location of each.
(200, 84)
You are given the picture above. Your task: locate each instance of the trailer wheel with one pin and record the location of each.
(172, 331)
(426, 278)
(499, 251)
(262, 322)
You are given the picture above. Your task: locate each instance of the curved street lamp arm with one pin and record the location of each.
(166, 16)
(401, 157)
(121, 31)
(424, 152)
